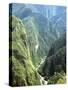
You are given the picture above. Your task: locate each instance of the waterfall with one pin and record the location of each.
(36, 47)
(42, 80)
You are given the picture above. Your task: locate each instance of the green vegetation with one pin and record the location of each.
(32, 35)
(37, 45)
(34, 25)
(55, 62)
(22, 71)
(57, 78)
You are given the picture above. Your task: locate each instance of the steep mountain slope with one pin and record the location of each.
(39, 38)
(58, 23)
(22, 71)
(56, 59)
(48, 11)
(33, 41)
(39, 35)
(43, 26)
(59, 43)
(42, 33)
(45, 34)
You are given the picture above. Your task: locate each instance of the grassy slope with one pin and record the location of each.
(22, 71)
(37, 33)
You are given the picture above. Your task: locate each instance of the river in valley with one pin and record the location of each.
(42, 80)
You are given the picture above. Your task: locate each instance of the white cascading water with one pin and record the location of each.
(42, 81)
(36, 47)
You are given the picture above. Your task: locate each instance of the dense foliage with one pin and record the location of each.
(37, 33)
(55, 61)
(22, 71)
(43, 26)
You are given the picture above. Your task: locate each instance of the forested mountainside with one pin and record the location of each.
(55, 62)
(41, 30)
(43, 42)
(22, 71)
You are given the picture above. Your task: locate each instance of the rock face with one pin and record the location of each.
(22, 71)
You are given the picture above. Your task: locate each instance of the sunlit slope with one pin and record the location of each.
(22, 71)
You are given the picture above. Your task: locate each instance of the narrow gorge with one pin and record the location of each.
(37, 44)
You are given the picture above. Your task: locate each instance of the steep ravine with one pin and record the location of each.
(42, 80)
(22, 71)
(54, 67)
